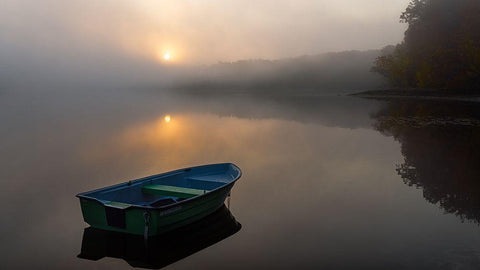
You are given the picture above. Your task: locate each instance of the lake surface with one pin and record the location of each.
(329, 182)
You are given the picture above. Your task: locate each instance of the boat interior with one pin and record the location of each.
(167, 188)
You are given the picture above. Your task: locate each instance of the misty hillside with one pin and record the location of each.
(330, 72)
(333, 72)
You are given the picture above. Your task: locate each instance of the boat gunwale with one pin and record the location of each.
(149, 207)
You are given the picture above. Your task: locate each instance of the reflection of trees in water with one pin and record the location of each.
(441, 146)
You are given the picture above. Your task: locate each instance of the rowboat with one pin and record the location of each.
(159, 203)
(161, 250)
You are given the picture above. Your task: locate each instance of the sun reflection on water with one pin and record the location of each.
(168, 142)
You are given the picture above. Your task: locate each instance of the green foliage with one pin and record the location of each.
(394, 66)
(413, 12)
(441, 48)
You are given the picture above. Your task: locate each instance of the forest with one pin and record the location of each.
(328, 72)
(441, 47)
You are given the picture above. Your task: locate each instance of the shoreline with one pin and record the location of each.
(418, 94)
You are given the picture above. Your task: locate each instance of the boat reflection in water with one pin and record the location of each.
(161, 250)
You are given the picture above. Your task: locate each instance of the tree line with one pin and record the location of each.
(441, 47)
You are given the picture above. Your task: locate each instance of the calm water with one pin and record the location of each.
(332, 182)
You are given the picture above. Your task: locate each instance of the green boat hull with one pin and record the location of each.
(162, 250)
(160, 220)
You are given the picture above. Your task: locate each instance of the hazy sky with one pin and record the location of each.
(113, 37)
(196, 31)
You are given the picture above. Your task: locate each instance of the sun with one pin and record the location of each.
(167, 56)
(167, 118)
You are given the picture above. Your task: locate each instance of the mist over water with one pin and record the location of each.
(320, 181)
(329, 181)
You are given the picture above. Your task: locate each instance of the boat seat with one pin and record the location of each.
(118, 205)
(179, 192)
(216, 178)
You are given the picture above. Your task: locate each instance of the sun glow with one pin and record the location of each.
(167, 53)
(167, 118)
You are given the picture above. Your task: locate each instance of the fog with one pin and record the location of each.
(111, 42)
(341, 72)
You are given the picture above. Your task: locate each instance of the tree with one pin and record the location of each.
(441, 47)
